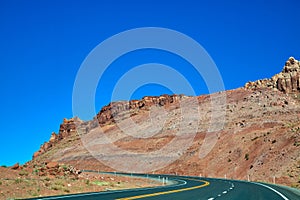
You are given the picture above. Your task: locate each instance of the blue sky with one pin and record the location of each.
(43, 44)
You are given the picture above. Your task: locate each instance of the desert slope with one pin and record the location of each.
(260, 139)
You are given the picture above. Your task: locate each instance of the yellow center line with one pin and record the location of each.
(206, 183)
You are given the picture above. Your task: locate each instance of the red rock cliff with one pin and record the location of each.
(108, 112)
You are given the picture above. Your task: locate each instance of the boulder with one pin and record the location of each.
(15, 166)
(52, 165)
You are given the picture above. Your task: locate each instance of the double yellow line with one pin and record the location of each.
(206, 183)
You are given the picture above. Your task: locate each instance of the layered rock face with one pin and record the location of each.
(107, 115)
(116, 109)
(66, 129)
(287, 81)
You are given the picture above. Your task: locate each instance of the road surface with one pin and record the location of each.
(194, 188)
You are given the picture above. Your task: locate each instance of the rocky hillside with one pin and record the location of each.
(260, 139)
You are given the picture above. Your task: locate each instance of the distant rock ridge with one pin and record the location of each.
(108, 113)
(287, 81)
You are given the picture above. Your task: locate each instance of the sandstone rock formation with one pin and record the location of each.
(107, 114)
(287, 81)
(66, 129)
(115, 109)
(15, 166)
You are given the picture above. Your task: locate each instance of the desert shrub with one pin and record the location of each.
(246, 156)
(101, 183)
(66, 190)
(35, 171)
(296, 144)
(65, 167)
(23, 173)
(18, 180)
(59, 183)
(55, 187)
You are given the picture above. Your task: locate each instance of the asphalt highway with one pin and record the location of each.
(197, 188)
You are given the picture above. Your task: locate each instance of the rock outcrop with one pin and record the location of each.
(54, 169)
(66, 129)
(107, 115)
(287, 81)
(15, 166)
(116, 109)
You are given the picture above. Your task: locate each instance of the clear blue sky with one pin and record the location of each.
(43, 43)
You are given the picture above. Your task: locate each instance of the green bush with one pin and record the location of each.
(65, 167)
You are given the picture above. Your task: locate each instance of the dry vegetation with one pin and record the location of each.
(26, 182)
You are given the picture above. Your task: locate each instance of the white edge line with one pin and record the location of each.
(284, 197)
(116, 191)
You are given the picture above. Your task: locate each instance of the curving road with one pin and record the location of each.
(195, 188)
